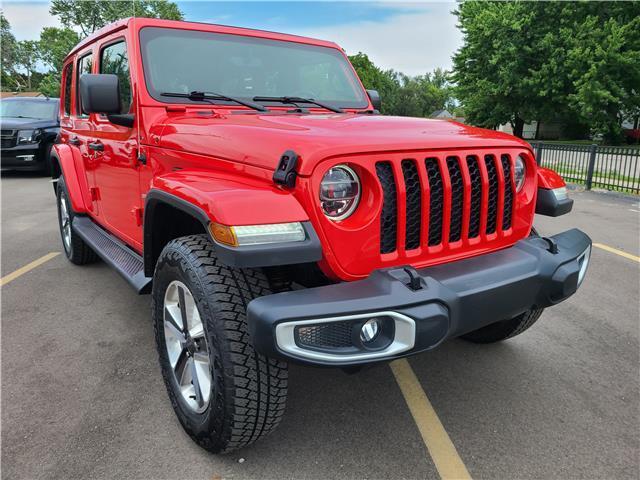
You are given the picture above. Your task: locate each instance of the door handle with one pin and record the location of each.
(96, 146)
(75, 141)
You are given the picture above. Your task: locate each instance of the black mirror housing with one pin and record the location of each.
(376, 101)
(100, 93)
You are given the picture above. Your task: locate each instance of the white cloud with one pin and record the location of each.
(413, 43)
(27, 19)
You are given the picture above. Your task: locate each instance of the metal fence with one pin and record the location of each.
(611, 168)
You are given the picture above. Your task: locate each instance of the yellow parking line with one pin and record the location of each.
(617, 252)
(435, 437)
(30, 266)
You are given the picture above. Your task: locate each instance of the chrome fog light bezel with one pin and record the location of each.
(404, 335)
(583, 261)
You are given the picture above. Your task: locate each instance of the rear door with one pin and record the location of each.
(115, 147)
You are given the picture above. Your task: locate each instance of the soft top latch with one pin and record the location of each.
(286, 173)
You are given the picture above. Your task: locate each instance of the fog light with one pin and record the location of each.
(25, 158)
(370, 330)
(583, 261)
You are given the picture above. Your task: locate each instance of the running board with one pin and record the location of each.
(126, 262)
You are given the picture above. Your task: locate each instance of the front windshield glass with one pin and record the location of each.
(28, 109)
(183, 61)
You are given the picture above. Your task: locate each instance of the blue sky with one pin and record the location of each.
(413, 38)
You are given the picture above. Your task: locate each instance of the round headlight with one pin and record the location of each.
(519, 173)
(339, 192)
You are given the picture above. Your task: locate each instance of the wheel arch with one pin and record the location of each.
(167, 217)
(63, 158)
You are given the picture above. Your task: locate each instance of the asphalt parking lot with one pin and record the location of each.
(82, 395)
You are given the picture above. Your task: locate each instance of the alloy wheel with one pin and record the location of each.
(187, 347)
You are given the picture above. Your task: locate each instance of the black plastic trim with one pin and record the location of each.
(249, 256)
(153, 198)
(455, 298)
(547, 204)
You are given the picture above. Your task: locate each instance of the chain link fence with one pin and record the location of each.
(611, 168)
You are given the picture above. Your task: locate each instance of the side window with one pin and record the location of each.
(68, 79)
(84, 66)
(114, 60)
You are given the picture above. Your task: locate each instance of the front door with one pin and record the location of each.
(115, 148)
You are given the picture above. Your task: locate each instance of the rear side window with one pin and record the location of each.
(84, 66)
(68, 79)
(114, 60)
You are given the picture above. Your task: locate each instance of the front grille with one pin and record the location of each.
(8, 138)
(468, 196)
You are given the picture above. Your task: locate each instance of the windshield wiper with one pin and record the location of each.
(296, 100)
(207, 96)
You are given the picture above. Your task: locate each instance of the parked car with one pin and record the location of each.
(29, 129)
(247, 181)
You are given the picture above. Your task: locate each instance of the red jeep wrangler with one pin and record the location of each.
(247, 181)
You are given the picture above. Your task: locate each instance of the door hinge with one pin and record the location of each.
(94, 193)
(141, 157)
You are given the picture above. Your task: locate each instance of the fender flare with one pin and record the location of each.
(65, 158)
(230, 204)
(552, 200)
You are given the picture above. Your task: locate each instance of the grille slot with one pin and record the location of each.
(492, 207)
(436, 201)
(389, 217)
(476, 196)
(457, 197)
(508, 192)
(414, 204)
(8, 138)
(325, 335)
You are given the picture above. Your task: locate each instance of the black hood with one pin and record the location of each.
(13, 123)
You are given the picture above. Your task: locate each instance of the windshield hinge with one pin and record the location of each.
(286, 173)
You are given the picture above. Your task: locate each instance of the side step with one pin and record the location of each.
(127, 262)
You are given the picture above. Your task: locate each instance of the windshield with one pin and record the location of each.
(28, 109)
(183, 61)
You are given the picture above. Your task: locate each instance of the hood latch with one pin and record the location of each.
(286, 173)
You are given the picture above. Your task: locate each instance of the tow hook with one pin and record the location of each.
(286, 173)
(414, 280)
(552, 245)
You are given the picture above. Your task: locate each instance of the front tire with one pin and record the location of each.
(225, 394)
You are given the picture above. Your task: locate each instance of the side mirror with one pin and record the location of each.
(376, 101)
(100, 93)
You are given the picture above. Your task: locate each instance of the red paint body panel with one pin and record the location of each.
(71, 176)
(222, 158)
(548, 179)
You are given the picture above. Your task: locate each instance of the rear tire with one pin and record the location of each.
(247, 391)
(76, 250)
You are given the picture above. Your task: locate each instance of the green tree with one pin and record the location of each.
(90, 15)
(524, 61)
(402, 94)
(8, 46)
(55, 44)
(27, 55)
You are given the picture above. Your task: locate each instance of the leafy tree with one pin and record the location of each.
(8, 47)
(27, 55)
(404, 95)
(90, 15)
(524, 61)
(55, 44)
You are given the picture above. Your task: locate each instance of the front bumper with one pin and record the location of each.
(22, 157)
(422, 308)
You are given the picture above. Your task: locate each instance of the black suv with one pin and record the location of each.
(29, 128)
